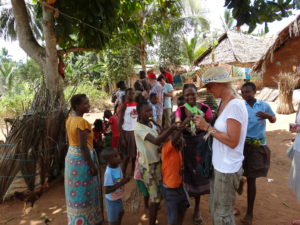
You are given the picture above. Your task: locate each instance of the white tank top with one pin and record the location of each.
(130, 116)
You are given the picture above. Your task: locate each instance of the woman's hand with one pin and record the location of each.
(200, 123)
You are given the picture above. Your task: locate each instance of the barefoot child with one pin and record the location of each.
(113, 122)
(113, 186)
(98, 131)
(148, 141)
(173, 192)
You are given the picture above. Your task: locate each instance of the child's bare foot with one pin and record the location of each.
(241, 187)
(197, 219)
(296, 222)
(247, 220)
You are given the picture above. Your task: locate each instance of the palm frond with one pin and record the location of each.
(7, 23)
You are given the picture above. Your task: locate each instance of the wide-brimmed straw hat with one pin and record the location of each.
(217, 75)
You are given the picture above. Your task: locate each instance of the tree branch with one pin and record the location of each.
(24, 32)
(75, 49)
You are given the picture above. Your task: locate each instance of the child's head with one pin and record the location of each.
(142, 74)
(138, 86)
(162, 80)
(98, 125)
(153, 98)
(111, 156)
(144, 110)
(121, 85)
(107, 114)
(180, 101)
(129, 93)
(178, 142)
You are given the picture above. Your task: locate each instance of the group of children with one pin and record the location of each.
(154, 153)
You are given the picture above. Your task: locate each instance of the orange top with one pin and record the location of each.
(171, 166)
(72, 124)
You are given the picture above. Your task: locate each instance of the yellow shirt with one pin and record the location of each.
(72, 124)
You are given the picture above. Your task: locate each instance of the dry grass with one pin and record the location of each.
(286, 84)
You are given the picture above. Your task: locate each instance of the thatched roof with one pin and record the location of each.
(234, 48)
(289, 32)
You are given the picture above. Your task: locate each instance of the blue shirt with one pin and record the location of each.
(257, 128)
(167, 88)
(113, 176)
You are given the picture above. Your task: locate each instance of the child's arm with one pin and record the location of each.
(162, 137)
(121, 117)
(110, 189)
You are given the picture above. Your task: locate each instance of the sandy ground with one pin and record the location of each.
(275, 204)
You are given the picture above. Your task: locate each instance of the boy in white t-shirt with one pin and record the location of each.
(113, 186)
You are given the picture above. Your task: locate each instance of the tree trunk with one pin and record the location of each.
(40, 135)
(285, 105)
(143, 55)
(52, 78)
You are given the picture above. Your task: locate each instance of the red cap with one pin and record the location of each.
(151, 75)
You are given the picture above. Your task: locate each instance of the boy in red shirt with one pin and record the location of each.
(114, 126)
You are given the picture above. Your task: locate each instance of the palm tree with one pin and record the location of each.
(7, 68)
(229, 20)
(7, 23)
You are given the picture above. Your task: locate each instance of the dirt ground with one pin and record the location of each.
(275, 204)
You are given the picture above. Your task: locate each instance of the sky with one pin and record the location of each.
(213, 11)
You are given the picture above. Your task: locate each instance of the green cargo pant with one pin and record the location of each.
(223, 188)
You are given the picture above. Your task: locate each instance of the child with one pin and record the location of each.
(113, 186)
(148, 141)
(173, 191)
(117, 96)
(127, 122)
(98, 130)
(114, 126)
(153, 100)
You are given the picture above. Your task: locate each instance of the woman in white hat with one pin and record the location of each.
(229, 133)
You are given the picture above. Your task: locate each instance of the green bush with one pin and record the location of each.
(15, 103)
(98, 98)
(12, 104)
